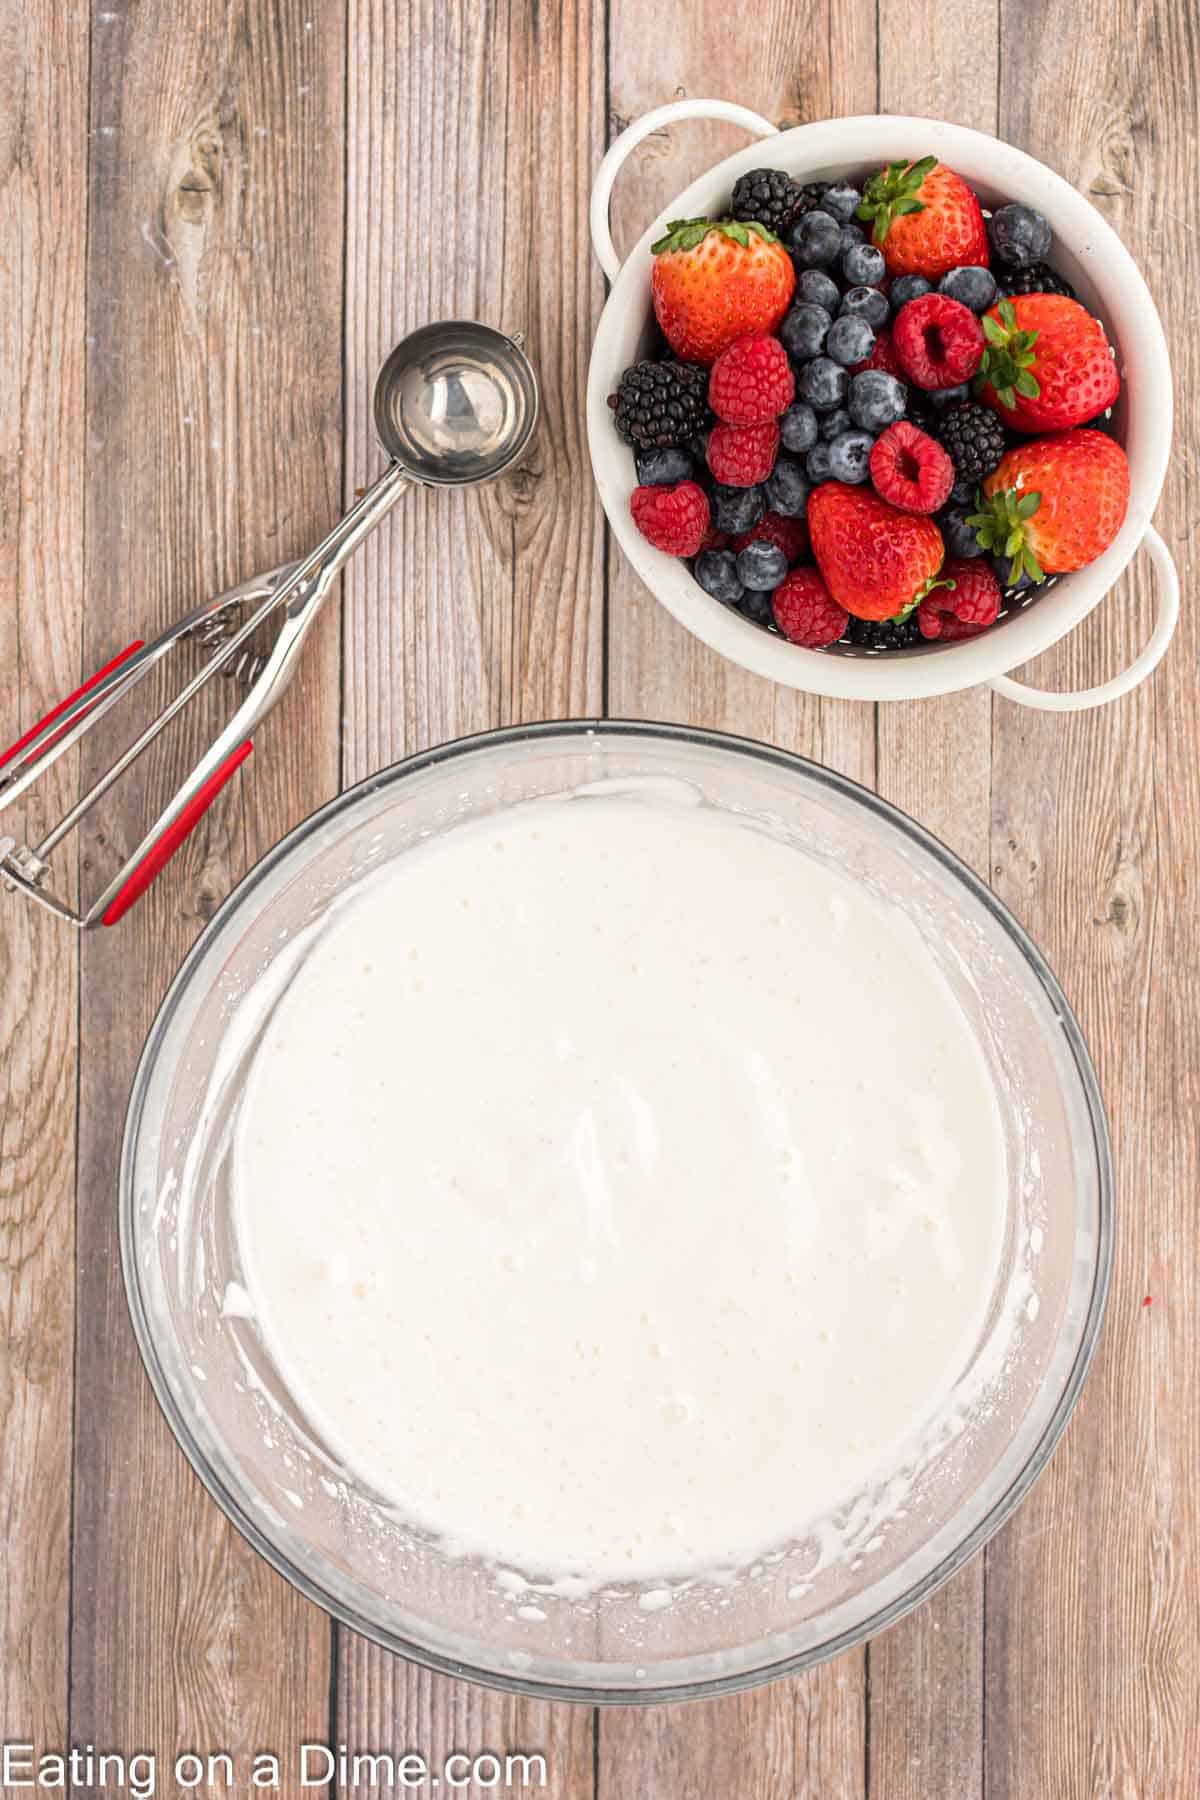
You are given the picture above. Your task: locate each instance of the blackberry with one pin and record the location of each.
(883, 634)
(767, 195)
(812, 196)
(1038, 278)
(658, 405)
(973, 438)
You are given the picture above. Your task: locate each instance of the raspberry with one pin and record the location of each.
(714, 539)
(788, 535)
(909, 469)
(883, 356)
(939, 341)
(752, 381)
(674, 519)
(966, 608)
(743, 455)
(806, 612)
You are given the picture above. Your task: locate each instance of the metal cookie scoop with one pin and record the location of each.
(455, 406)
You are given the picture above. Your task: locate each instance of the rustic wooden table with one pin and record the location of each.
(215, 217)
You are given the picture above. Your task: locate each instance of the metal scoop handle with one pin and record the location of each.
(301, 589)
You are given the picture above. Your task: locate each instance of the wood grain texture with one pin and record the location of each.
(217, 147)
(385, 1702)
(43, 215)
(473, 134)
(213, 426)
(926, 1674)
(803, 1737)
(1093, 1646)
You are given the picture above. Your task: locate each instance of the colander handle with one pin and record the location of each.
(632, 136)
(1141, 666)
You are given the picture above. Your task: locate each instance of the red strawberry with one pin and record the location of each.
(910, 469)
(806, 612)
(925, 219)
(938, 341)
(1054, 504)
(674, 519)
(742, 455)
(965, 602)
(788, 535)
(1047, 365)
(877, 561)
(751, 381)
(713, 281)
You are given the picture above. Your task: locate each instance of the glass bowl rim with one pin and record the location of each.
(645, 1693)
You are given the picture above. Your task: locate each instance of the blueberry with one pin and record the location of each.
(973, 287)
(833, 424)
(942, 399)
(818, 463)
(866, 303)
(818, 289)
(842, 201)
(815, 240)
(877, 399)
(798, 427)
(851, 234)
(659, 468)
(757, 605)
(1019, 236)
(863, 265)
(761, 564)
(851, 339)
(736, 509)
(822, 383)
(803, 331)
(1003, 568)
(716, 571)
(960, 538)
(787, 488)
(963, 493)
(906, 288)
(848, 456)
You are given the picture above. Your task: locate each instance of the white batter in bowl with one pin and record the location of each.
(617, 1208)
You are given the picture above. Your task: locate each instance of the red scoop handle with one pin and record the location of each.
(69, 701)
(164, 848)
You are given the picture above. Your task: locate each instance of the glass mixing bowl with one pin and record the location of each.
(341, 1544)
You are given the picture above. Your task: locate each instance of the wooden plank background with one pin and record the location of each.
(215, 217)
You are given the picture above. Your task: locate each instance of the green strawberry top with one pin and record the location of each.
(685, 234)
(893, 193)
(1008, 357)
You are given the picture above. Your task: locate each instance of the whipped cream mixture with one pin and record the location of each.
(619, 1188)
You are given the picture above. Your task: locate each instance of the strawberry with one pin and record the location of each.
(714, 281)
(925, 219)
(1047, 365)
(1054, 504)
(877, 561)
